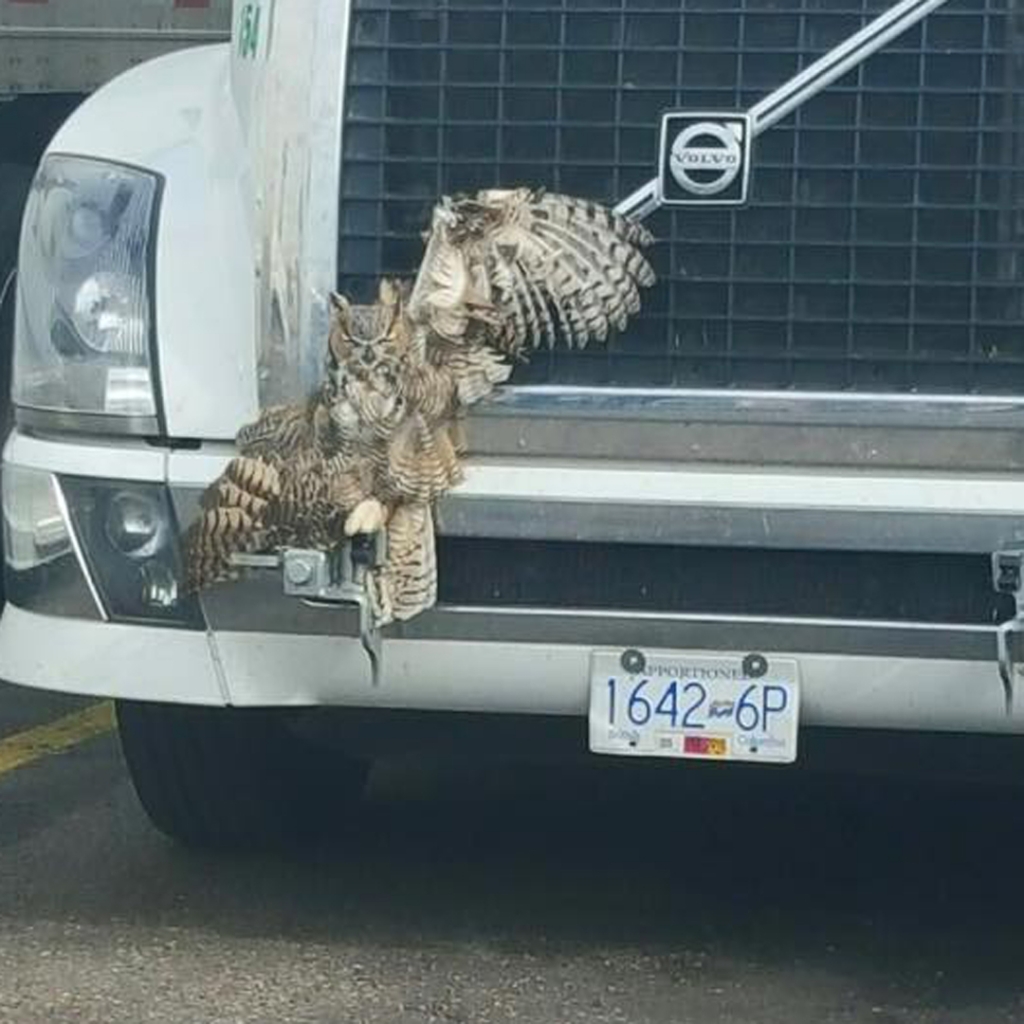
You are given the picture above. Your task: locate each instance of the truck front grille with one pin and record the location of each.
(881, 250)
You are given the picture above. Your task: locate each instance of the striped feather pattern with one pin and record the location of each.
(527, 266)
(504, 272)
(406, 583)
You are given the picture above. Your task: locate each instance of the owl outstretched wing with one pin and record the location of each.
(291, 484)
(511, 269)
(232, 519)
(259, 503)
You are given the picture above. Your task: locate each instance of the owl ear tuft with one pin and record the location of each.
(340, 310)
(390, 297)
(388, 292)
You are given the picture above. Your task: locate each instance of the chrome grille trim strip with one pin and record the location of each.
(696, 504)
(872, 403)
(258, 605)
(714, 632)
(770, 427)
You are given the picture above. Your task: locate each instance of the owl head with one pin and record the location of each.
(367, 359)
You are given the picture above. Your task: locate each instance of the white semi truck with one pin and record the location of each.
(791, 496)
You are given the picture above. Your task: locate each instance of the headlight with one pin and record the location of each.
(83, 341)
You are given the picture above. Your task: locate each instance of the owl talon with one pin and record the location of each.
(369, 516)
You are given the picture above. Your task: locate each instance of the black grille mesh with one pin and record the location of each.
(902, 587)
(881, 250)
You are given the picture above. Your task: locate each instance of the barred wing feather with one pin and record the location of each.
(517, 268)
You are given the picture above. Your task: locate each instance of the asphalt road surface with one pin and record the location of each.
(541, 895)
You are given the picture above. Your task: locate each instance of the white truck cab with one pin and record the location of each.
(798, 478)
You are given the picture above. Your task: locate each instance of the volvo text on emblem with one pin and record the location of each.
(705, 158)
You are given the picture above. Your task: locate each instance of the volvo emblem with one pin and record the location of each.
(705, 158)
(703, 169)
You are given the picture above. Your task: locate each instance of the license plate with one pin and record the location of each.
(678, 704)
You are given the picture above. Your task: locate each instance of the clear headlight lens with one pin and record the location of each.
(83, 337)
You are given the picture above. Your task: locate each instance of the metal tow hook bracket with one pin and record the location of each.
(1008, 578)
(364, 555)
(341, 576)
(338, 576)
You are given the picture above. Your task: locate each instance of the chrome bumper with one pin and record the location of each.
(541, 677)
(262, 647)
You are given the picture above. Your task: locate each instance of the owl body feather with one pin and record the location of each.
(504, 271)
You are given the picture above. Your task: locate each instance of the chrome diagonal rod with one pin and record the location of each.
(809, 82)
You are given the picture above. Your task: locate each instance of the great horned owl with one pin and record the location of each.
(382, 439)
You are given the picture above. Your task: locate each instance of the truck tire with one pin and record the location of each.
(230, 778)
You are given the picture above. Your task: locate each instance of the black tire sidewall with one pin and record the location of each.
(234, 778)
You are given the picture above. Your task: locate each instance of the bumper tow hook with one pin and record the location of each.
(1008, 578)
(341, 576)
(364, 556)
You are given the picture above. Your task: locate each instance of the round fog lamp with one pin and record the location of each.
(135, 524)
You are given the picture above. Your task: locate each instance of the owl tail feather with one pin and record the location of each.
(406, 584)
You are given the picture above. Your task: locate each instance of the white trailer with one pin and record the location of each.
(74, 46)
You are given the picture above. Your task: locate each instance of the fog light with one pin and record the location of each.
(135, 525)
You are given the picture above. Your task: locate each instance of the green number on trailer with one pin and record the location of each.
(249, 31)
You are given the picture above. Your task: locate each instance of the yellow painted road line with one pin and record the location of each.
(25, 747)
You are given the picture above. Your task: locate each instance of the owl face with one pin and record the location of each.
(366, 363)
